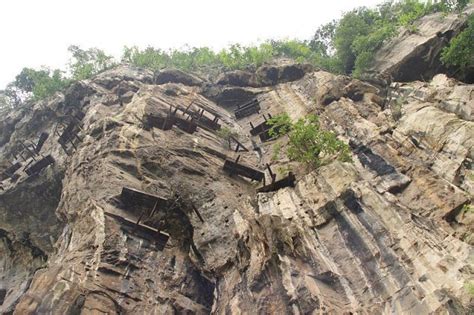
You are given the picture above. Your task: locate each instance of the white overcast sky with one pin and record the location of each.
(37, 32)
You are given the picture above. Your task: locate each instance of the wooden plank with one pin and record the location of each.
(247, 111)
(158, 238)
(133, 197)
(235, 168)
(42, 139)
(39, 165)
(248, 104)
(8, 173)
(163, 123)
(188, 126)
(68, 133)
(205, 122)
(263, 127)
(288, 181)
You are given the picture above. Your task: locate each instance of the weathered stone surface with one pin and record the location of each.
(237, 78)
(176, 76)
(230, 96)
(384, 234)
(266, 75)
(415, 55)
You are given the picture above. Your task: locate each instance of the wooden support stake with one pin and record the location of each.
(197, 212)
(273, 176)
(239, 145)
(25, 147)
(154, 209)
(189, 106)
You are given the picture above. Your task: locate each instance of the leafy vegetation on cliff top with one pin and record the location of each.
(347, 46)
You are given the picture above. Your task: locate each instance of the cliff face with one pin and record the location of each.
(385, 234)
(415, 54)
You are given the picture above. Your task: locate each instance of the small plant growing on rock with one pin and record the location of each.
(308, 143)
(281, 125)
(226, 133)
(470, 288)
(460, 51)
(467, 209)
(396, 108)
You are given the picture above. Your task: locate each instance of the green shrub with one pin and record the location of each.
(470, 288)
(280, 125)
(38, 84)
(460, 51)
(309, 144)
(86, 63)
(226, 133)
(360, 33)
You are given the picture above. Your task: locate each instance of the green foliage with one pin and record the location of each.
(470, 288)
(276, 151)
(309, 144)
(358, 35)
(234, 57)
(86, 63)
(4, 102)
(467, 208)
(280, 125)
(460, 52)
(353, 25)
(38, 83)
(344, 46)
(396, 108)
(323, 39)
(226, 133)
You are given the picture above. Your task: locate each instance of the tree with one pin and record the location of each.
(352, 42)
(460, 51)
(37, 84)
(354, 24)
(323, 39)
(307, 142)
(3, 100)
(86, 63)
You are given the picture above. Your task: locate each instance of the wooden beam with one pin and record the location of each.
(158, 238)
(239, 145)
(288, 181)
(39, 165)
(42, 138)
(197, 212)
(242, 170)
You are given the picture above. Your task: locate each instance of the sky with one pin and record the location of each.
(34, 33)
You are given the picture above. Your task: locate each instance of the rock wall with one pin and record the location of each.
(388, 233)
(415, 54)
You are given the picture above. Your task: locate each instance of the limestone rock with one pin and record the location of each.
(415, 55)
(388, 233)
(176, 76)
(266, 75)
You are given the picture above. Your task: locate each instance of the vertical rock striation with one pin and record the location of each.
(386, 234)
